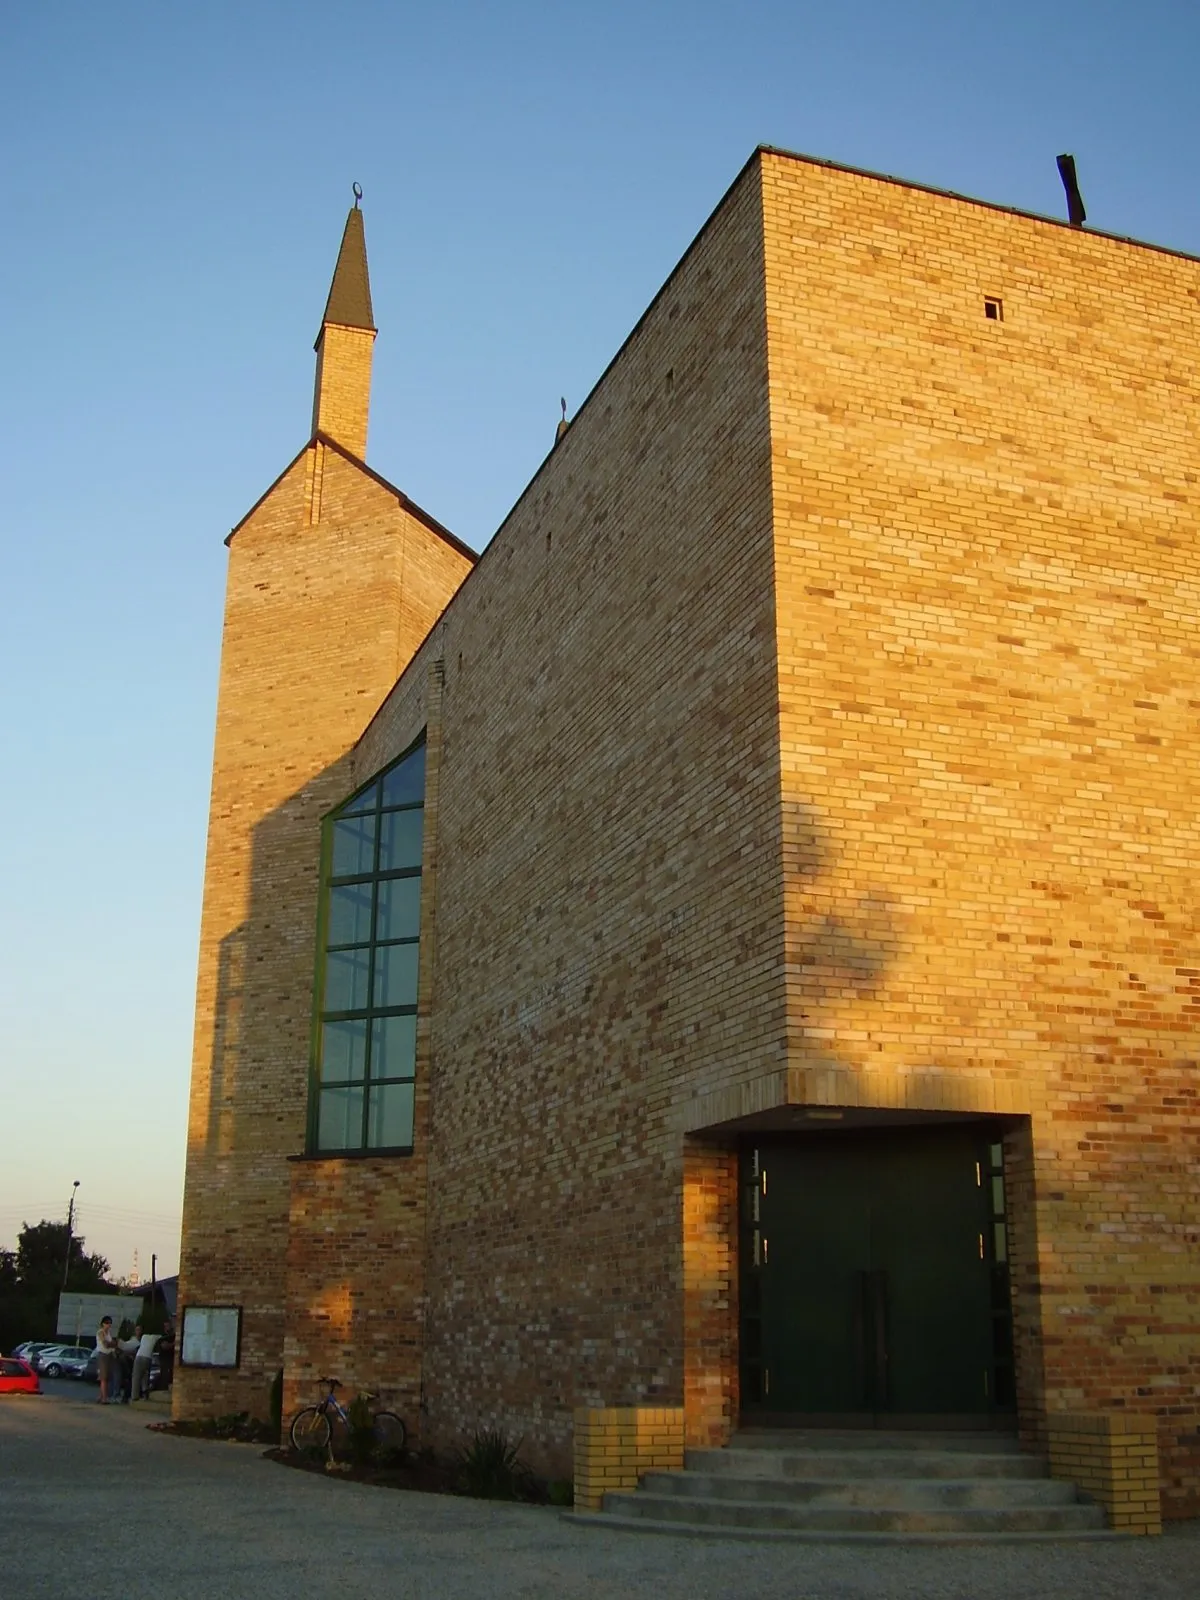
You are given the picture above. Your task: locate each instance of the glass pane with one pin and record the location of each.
(996, 1152)
(363, 802)
(393, 1047)
(998, 1196)
(400, 839)
(1000, 1239)
(344, 1050)
(349, 914)
(396, 976)
(404, 785)
(353, 851)
(390, 1117)
(339, 1121)
(399, 912)
(346, 977)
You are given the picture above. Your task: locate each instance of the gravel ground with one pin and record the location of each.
(95, 1507)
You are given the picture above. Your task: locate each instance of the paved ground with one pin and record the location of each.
(95, 1507)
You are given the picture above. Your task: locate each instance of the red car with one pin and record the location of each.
(17, 1377)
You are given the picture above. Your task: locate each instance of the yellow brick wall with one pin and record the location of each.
(816, 729)
(614, 1446)
(319, 620)
(342, 393)
(609, 897)
(1114, 1460)
(987, 584)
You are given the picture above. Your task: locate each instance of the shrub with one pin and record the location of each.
(560, 1492)
(490, 1467)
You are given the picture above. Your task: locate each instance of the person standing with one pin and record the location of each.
(123, 1364)
(106, 1346)
(141, 1364)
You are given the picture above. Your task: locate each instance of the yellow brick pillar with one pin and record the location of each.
(1114, 1458)
(615, 1445)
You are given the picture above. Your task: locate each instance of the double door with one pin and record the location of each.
(874, 1282)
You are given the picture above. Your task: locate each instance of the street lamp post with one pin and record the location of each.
(70, 1221)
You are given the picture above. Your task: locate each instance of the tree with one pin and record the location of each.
(41, 1251)
(31, 1279)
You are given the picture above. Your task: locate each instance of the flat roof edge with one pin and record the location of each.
(974, 200)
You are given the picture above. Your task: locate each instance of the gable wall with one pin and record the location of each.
(988, 594)
(319, 619)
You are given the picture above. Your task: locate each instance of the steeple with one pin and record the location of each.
(342, 394)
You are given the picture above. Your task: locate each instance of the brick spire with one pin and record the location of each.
(342, 395)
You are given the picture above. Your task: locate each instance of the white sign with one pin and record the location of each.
(211, 1335)
(79, 1314)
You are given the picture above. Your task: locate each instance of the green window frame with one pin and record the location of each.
(368, 937)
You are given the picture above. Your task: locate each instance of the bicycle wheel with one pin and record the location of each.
(310, 1428)
(389, 1431)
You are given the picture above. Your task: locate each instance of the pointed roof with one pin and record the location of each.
(349, 302)
(411, 506)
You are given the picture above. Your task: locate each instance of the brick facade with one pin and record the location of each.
(343, 386)
(813, 732)
(986, 580)
(333, 582)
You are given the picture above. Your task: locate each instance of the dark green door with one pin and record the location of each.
(869, 1284)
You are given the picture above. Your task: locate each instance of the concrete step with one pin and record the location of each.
(859, 1486)
(974, 1441)
(844, 1464)
(886, 1493)
(767, 1514)
(613, 1523)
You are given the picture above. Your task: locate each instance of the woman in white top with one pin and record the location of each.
(106, 1344)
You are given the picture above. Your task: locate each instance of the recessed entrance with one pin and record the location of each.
(874, 1278)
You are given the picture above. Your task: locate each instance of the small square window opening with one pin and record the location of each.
(993, 308)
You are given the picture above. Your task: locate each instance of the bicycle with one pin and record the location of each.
(313, 1427)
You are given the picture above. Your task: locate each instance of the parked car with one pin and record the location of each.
(62, 1360)
(154, 1376)
(27, 1351)
(17, 1377)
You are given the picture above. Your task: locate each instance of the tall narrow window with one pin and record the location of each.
(367, 971)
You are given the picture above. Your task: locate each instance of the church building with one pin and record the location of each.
(732, 946)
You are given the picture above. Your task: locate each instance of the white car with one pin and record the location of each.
(62, 1360)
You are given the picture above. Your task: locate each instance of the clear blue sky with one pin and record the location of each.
(174, 183)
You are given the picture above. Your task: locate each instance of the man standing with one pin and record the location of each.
(123, 1364)
(141, 1363)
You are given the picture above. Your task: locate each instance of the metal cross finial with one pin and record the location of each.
(357, 187)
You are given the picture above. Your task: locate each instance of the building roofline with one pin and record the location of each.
(973, 200)
(414, 510)
(542, 465)
(751, 161)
